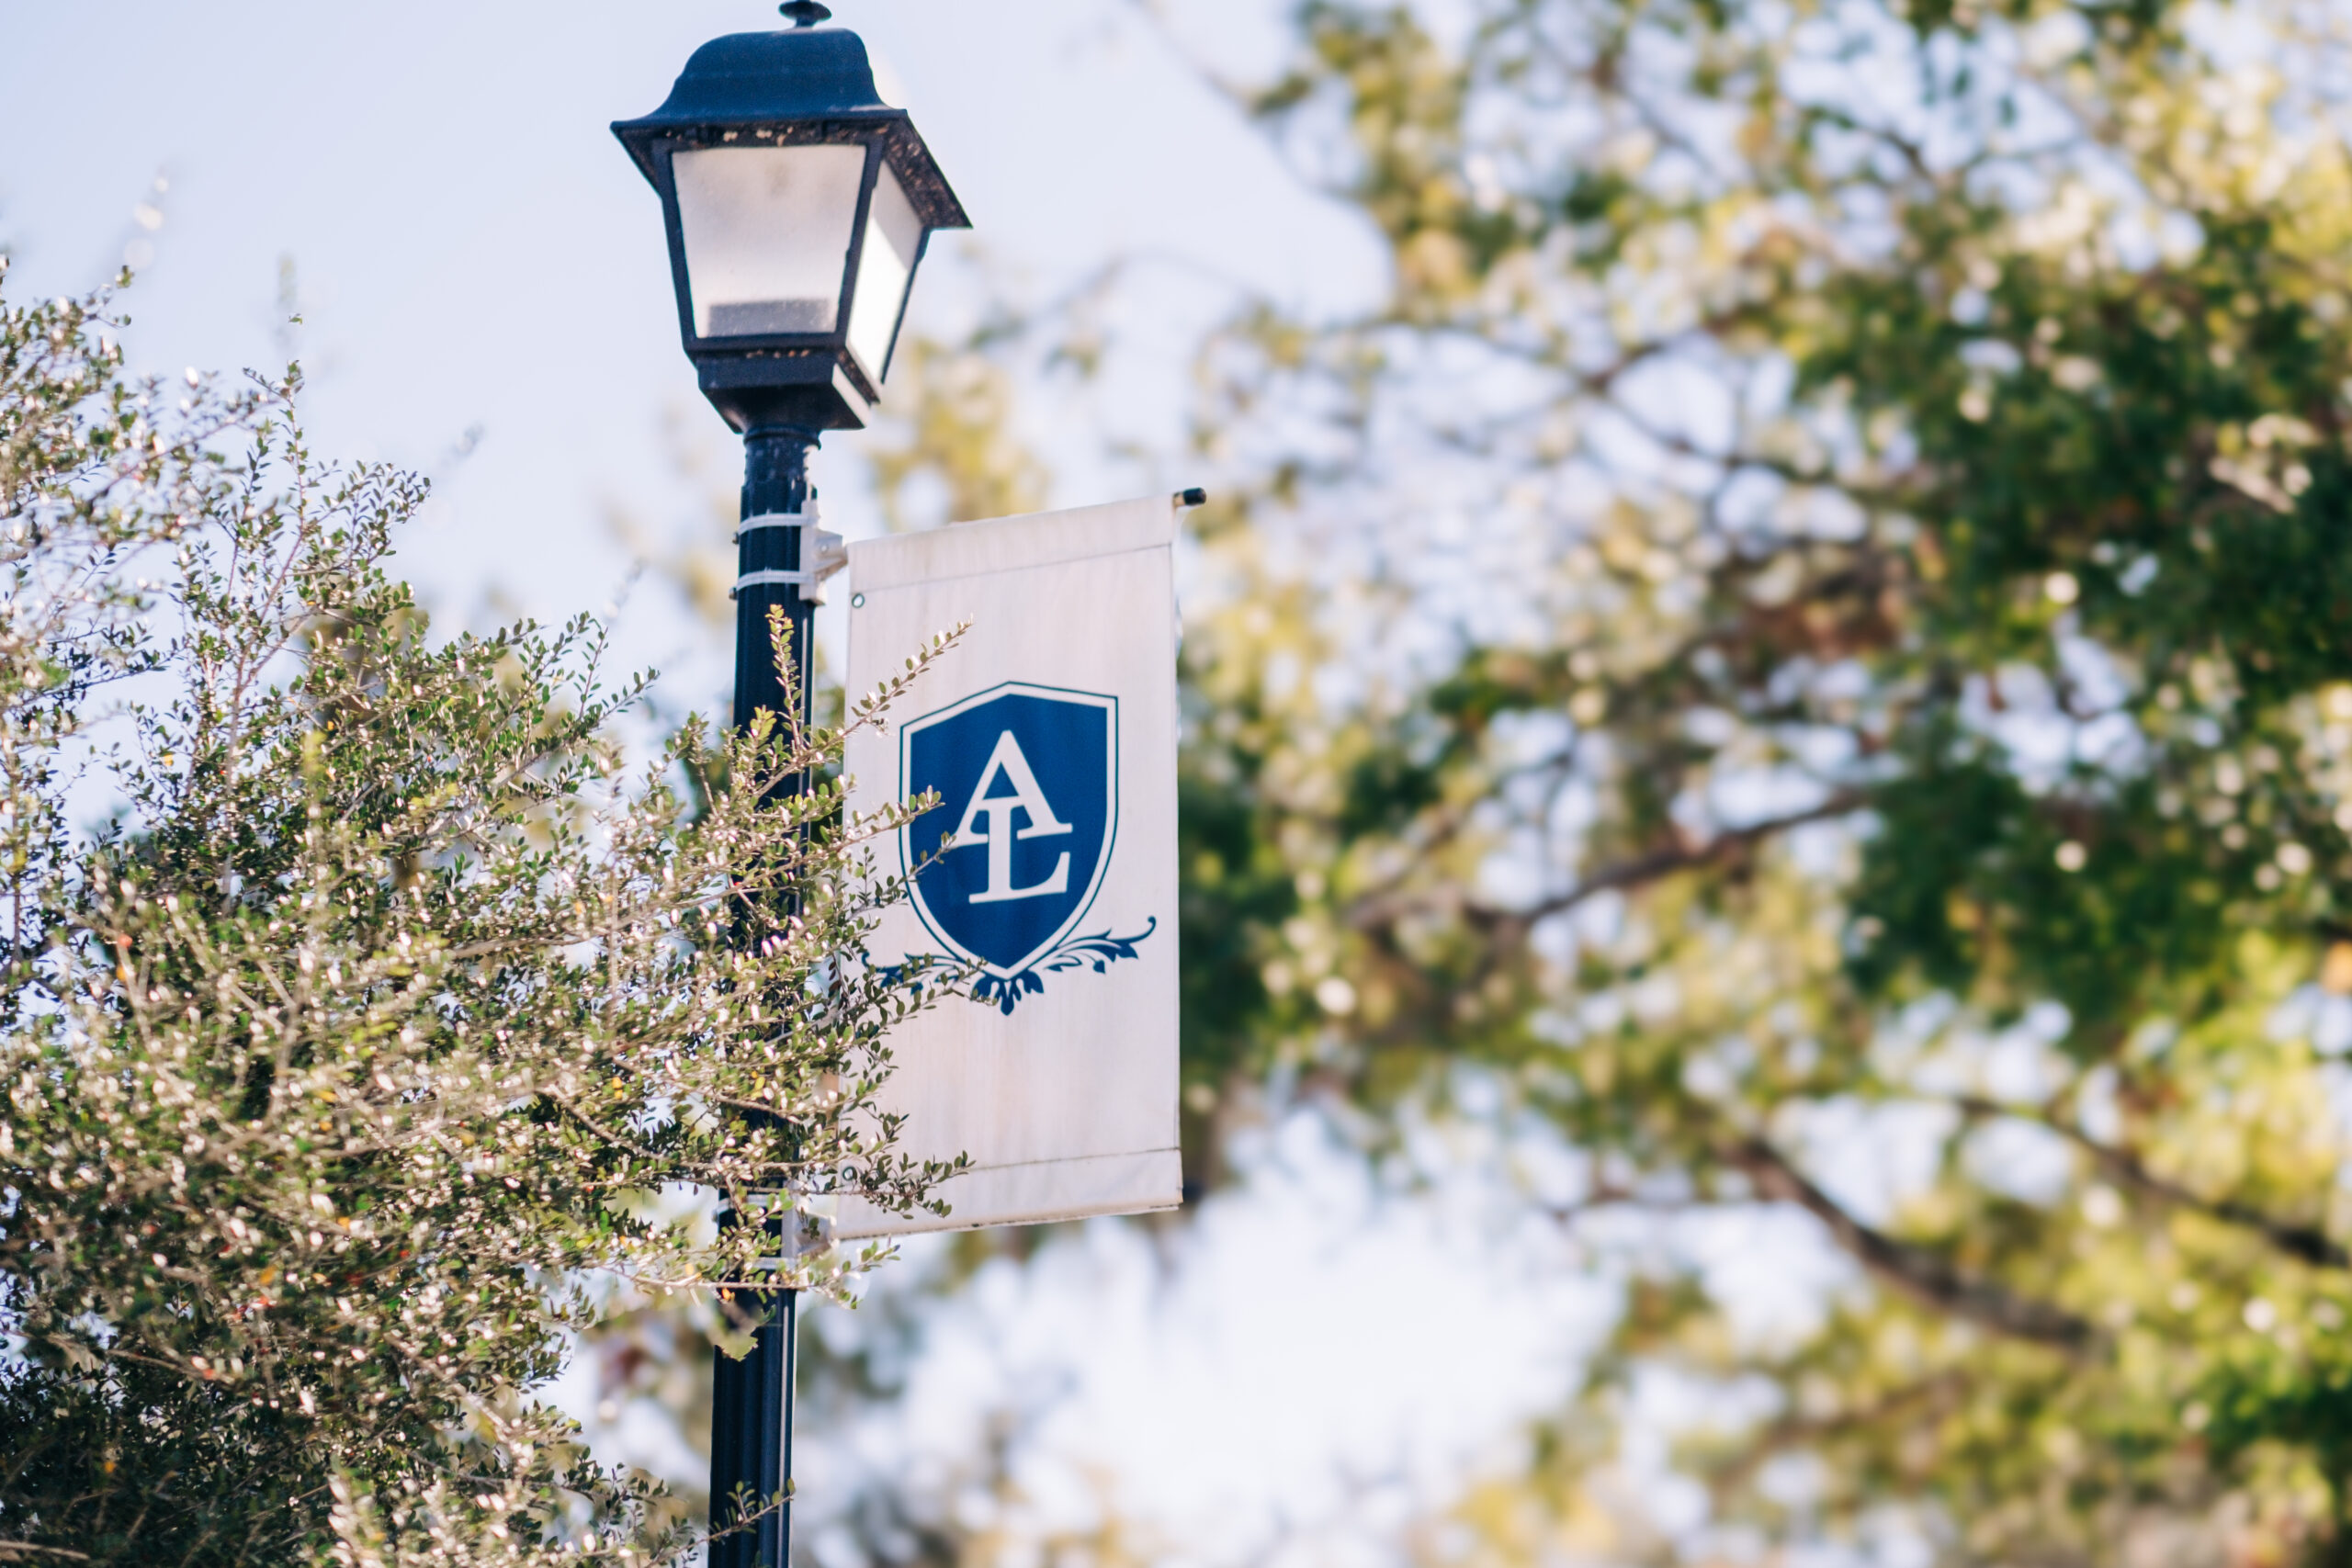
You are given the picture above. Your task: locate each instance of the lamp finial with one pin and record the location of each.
(805, 13)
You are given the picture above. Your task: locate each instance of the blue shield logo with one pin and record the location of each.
(1028, 783)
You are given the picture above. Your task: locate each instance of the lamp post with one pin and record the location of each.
(798, 206)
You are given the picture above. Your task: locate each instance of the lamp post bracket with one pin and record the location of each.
(825, 553)
(808, 517)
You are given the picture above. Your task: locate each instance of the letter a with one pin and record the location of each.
(1027, 796)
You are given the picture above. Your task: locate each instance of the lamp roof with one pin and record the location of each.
(796, 86)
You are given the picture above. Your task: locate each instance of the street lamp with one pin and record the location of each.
(798, 206)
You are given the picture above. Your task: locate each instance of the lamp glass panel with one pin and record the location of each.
(767, 233)
(893, 239)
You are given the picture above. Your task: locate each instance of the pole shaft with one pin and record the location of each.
(750, 1403)
(776, 478)
(750, 1437)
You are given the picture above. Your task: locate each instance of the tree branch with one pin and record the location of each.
(2309, 1243)
(1923, 1274)
(1665, 862)
(1378, 911)
(1915, 1406)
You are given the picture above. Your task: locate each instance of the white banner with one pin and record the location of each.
(1049, 733)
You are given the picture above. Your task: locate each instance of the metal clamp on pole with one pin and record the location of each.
(824, 553)
(801, 1225)
(760, 579)
(807, 518)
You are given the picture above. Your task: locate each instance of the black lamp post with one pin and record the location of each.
(798, 206)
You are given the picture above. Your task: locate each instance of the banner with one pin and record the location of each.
(1050, 737)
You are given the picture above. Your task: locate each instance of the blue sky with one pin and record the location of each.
(481, 269)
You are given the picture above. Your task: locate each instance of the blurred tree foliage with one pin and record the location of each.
(945, 456)
(1808, 638)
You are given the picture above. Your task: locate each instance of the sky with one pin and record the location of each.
(481, 271)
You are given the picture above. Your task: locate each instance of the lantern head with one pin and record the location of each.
(798, 207)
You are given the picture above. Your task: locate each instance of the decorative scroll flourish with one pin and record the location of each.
(1003, 993)
(1097, 952)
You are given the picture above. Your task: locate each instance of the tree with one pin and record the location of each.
(345, 1060)
(1805, 640)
